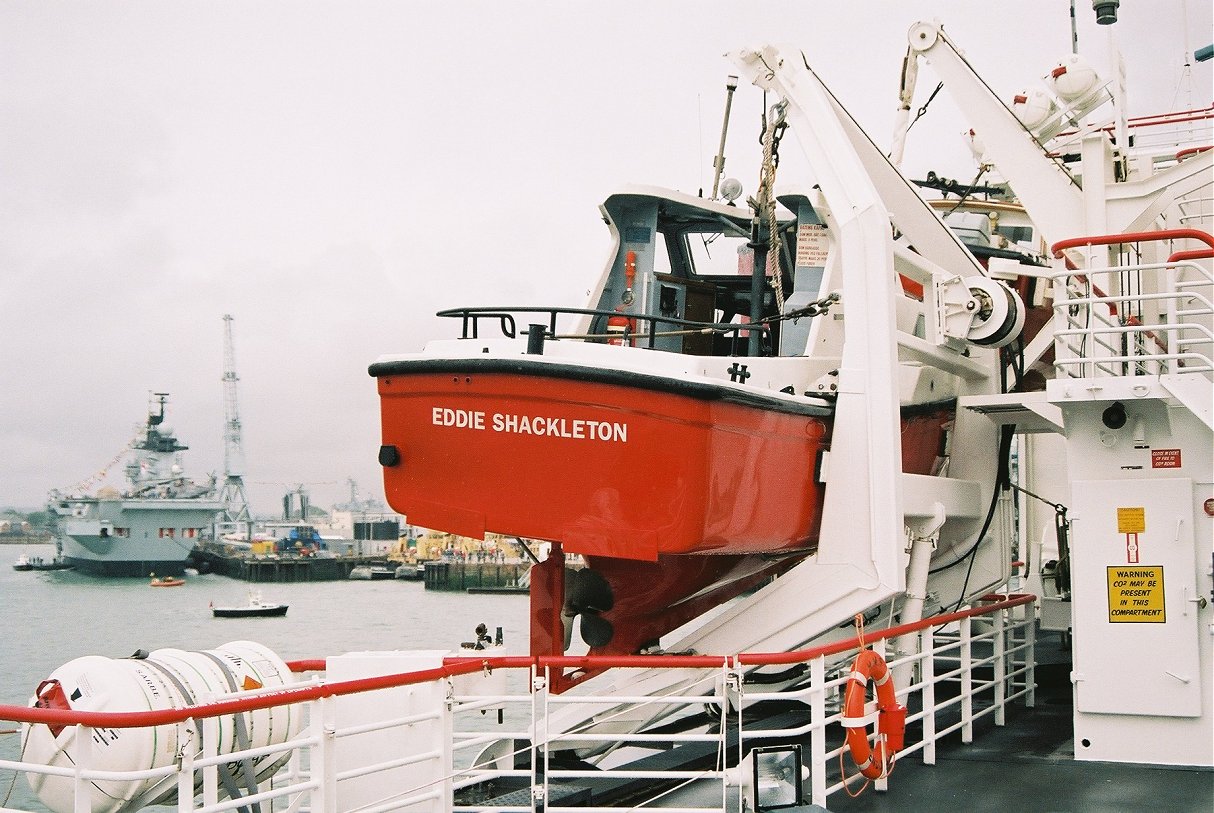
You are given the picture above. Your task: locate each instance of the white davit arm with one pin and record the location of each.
(1046, 189)
(906, 96)
(860, 559)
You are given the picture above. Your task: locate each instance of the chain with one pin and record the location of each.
(765, 206)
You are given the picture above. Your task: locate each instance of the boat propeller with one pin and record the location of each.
(588, 594)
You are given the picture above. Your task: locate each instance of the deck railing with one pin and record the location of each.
(1167, 137)
(1137, 319)
(965, 665)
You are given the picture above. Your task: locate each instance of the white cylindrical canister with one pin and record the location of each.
(1033, 107)
(1074, 78)
(164, 679)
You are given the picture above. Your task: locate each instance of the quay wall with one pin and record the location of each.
(289, 568)
(481, 576)
(443, 575)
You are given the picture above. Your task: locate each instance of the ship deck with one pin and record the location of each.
(1029, 765)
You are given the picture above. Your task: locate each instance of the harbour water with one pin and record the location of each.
(53, 617)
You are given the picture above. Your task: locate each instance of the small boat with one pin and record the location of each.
(372, 573)
(55, 563)
(23, 563)
(411, 572)
(256, 608)
(166, 581)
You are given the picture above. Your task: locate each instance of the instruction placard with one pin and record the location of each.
(813, 245)
(1136, 595)
(1165, 458)
(1131, 520)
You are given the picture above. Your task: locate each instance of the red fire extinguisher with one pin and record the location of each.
(622, 327)
(622, 330)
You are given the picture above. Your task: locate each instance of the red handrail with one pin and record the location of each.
(1185, 153)
(1133, 237)
(1156, 120)
(294, 694)
(1195, 254)
(469, 665)
(1136, 237)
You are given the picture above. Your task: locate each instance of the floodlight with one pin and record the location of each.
(731, 189)
(770, 778)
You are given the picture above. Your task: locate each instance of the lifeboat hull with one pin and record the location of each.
(633, 471)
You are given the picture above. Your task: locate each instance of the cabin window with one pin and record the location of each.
(720, 255)
(661, 258)
(1020, 235)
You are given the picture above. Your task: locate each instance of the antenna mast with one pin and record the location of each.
(236, 504)
(718, 163)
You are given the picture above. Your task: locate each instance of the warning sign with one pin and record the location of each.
(1131, 520)
(1136, 595)
(1165, 458)
(812, 245)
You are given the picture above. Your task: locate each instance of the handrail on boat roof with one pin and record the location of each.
(471, 317)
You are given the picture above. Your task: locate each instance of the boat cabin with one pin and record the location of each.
(683, 276)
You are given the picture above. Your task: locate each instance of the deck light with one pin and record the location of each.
(770, 778)
(731, 189)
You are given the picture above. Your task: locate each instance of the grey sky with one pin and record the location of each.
(334, 173)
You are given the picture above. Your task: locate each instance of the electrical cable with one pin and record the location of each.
(1001, 480)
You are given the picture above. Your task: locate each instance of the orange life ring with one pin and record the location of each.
(891, 719)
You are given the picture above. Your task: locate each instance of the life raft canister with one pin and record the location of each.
(157, 681)
(891, 717)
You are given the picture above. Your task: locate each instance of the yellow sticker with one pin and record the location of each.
(1136, 595)
(1131, 520)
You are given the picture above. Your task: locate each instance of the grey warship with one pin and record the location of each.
(150, 527)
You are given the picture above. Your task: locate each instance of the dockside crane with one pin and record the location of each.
(236, 504)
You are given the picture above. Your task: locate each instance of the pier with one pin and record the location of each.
(222, 560)
(443, 574)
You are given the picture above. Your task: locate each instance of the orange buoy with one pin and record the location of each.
(891, 719)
